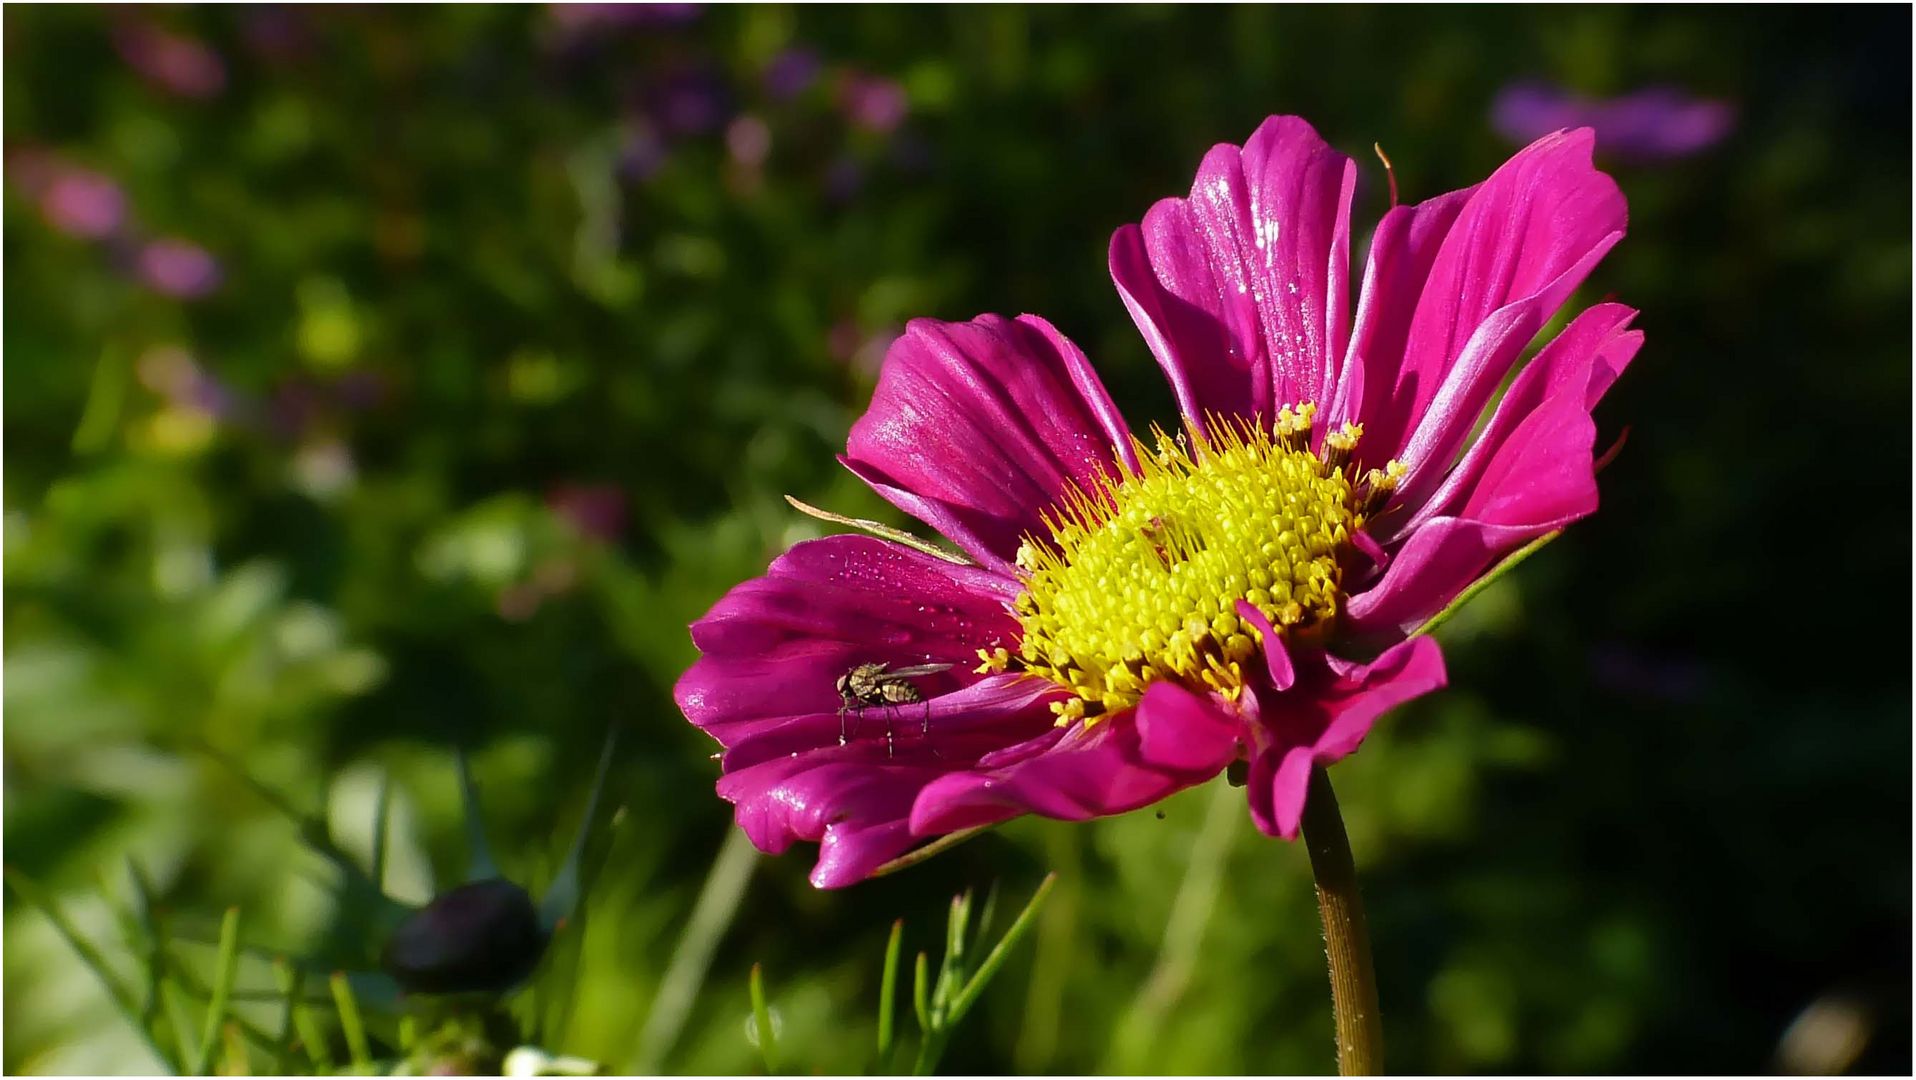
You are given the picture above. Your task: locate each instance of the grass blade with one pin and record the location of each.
(888, 993)
(712, 913)
(921, 992)
(562, 896)
(920, 854)
(292, 982)
(762, 1022)
(351, 1024)
(226, 967)
(479, 861)
(31, 894)
(1510, 563)
(996, 958)
(382, 822)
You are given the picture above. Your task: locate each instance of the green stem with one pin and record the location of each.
(1360, 1033)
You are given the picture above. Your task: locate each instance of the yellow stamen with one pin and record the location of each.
(1139, 578)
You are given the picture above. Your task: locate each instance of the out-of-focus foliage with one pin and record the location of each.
(379, 380)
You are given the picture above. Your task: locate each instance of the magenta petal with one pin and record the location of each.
(1584, 361)
(1279, 779)
(1170, 742)
(1325, 717)
(855, 809)
(977, 428)
(774, 647)
(949, 730)
(1509, 255)
(1240, 289)
(1539, 476)
(1277, 659)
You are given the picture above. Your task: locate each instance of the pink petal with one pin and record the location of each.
(1171, 741)
(1584, 360)
(856, 799)
(1240, 289)
(1277, 659)
(977, 428)
(1507, 254)
(1324, 718)
(1541, 478)
(774, 647)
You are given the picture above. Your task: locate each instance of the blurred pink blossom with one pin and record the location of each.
(83, 203)
(749, 140)
(179, 269)
(175, 63)
(874, 102)
(597, 510)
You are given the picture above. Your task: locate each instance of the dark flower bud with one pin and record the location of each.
(481, 937)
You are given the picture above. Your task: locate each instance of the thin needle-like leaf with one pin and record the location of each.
(562, 896)
(382, 822)
(226, 967)
(479, 862)
(996, 958)
(888, 993)
(712, 913)
(762, 1022)
(351, 1024)
(886, 532)
(1510, 563)
(293, 981)
(31, 894)
(236, 1061)
(920, 854)
(921, 992)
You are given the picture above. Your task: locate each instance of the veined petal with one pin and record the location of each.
(1585, 359)
(976, 428)
(774, 647)
(1172, 740)
(1324, 717)
(856, 800)
(1481, 271)
(1241, 290)
(1541, 478)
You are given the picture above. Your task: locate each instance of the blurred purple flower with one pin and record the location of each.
(81, 202)
(597, 510)
(576, 17)
(178, 269)
(172, 373)
(691, 103)
(641, 153)
(1654, 124)
(277, 32)
(791, 73)
(873, 102)
(173, 62)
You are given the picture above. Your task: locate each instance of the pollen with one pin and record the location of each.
(1139, 577)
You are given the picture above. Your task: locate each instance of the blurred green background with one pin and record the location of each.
(381, 380)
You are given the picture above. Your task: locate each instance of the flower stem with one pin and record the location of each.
(1360, 1033)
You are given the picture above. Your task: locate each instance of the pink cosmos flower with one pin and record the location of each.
(1134, 615)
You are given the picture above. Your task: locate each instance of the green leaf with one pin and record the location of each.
(32, 895)
(351, 1023)
(226, 967)
(888, 992)
(999, 953)
(762, 1022)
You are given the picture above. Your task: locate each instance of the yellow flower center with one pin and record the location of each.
(1139, 579)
